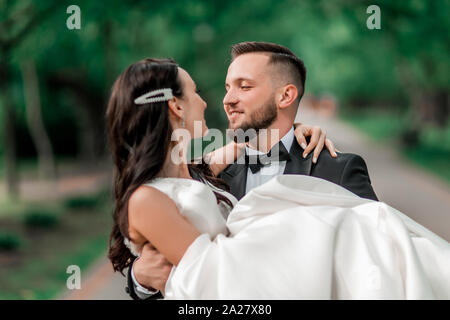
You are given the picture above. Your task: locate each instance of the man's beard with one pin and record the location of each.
(261, 118)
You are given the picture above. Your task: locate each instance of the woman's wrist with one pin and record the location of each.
(219, 159)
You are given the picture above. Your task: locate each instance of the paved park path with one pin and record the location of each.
(396, 181)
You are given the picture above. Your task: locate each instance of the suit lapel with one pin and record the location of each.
(236, 177)
(236, 174)
(297, 164)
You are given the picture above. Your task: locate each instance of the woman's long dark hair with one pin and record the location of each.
(139, 139)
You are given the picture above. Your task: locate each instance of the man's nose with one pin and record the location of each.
(230, 98)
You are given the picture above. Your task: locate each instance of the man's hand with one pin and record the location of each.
(317, 141)
(152, 269)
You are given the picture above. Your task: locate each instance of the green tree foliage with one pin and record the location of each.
(403, 65)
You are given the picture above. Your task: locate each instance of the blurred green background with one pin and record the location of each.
(391, 83)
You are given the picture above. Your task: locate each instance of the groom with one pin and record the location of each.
(264, 85)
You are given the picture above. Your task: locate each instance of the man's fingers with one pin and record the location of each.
(149, 252)
(315, 135)
(330, 146)
(163, 261)
(149, 249)
(148, 246)
(319, 147)
(167, 269)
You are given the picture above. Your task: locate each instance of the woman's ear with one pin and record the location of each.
(175, 108)
(286, 95)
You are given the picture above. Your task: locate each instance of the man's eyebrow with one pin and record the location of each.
(244, 79)
(240, 80)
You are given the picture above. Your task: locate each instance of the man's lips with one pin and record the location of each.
(234, 114)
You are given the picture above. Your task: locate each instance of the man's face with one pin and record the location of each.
(250, 99)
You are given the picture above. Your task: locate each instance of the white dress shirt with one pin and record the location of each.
(271, 170)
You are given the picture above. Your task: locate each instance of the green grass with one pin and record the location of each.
(9, 241)
(24, 166)
(432, 152)
(12, 208)
(37, 269)
(41, 218)
(46, 279)
(379, 125)
(82, 202)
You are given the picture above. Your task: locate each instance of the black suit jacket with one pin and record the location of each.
(347, 170)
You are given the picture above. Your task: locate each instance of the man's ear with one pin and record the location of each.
(286, 95)
(175, 108)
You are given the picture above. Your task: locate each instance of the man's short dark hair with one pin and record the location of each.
(278, 55)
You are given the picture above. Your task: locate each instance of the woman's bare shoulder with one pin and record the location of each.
(149, 199)
(146, 203)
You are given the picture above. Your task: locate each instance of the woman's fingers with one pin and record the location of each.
(330, 146)
(317, 141)
(315, 136)
(319, 147)
(300, 137)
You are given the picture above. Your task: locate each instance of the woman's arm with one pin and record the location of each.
(155, 217)
(221, 158)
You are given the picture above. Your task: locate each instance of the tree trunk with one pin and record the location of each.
(10, 158)
(9, 131)
(35, 123)
(89, 106)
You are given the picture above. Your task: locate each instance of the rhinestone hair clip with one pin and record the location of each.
(155, 96)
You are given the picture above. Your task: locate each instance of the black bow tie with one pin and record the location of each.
(277, 153)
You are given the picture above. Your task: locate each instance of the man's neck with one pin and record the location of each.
(269, 137)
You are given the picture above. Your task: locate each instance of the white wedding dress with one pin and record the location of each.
(299, 237)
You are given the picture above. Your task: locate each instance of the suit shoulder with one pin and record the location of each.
(341, 159)
(335, 168)
(351, 159)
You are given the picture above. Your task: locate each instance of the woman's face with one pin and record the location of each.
(194, 106)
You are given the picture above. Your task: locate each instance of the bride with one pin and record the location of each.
(295, 237)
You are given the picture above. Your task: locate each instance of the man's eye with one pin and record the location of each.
(245, 87)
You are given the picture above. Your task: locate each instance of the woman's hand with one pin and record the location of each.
(221, 158)
(317, 141)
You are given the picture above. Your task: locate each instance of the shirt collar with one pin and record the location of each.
(287, 141)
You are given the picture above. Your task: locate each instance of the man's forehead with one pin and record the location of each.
(248, 65)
